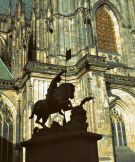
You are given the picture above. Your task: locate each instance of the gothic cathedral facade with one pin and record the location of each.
(34, 37)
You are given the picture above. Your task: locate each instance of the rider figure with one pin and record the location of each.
(53, 85)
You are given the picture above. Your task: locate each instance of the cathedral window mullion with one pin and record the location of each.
(117, 135)
(122, 133)
(118, 128)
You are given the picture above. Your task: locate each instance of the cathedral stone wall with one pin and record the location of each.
(101, 36)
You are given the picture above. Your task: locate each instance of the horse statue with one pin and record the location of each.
(58, 101)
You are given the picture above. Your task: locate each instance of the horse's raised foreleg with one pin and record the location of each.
(67, 106)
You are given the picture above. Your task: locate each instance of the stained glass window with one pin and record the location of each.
(105, 30)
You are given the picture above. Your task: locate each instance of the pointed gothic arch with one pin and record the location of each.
(105, 30)
(122, 116)
(110, 5)
(2, 46)
(7, 129)
(107, 22)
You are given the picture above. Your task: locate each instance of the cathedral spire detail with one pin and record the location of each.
(10, 8)
(20, 9)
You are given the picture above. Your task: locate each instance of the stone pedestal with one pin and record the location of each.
(78, 146)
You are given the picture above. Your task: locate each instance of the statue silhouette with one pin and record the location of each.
(53, 84)
(57, 99)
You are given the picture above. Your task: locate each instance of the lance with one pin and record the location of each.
(68, 57)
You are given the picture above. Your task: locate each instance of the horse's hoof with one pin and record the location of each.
(35, 130)
(44, 126)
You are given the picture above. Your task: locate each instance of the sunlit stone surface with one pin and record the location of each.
(33, 42)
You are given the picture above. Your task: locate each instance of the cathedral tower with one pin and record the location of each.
(34, 37)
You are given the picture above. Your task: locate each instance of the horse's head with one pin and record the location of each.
(72, 90)
(68, 90)
(65, 91)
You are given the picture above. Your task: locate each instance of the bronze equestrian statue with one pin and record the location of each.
(57, 99)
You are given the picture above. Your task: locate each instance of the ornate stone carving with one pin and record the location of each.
(117, 79)
(86, 61)
(116, 116)
(5, 84)
(4, 109)
(50, 68)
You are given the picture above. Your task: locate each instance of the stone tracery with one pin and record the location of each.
(118, 128)
(6, 131)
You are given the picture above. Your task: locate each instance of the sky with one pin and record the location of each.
(5, 3)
